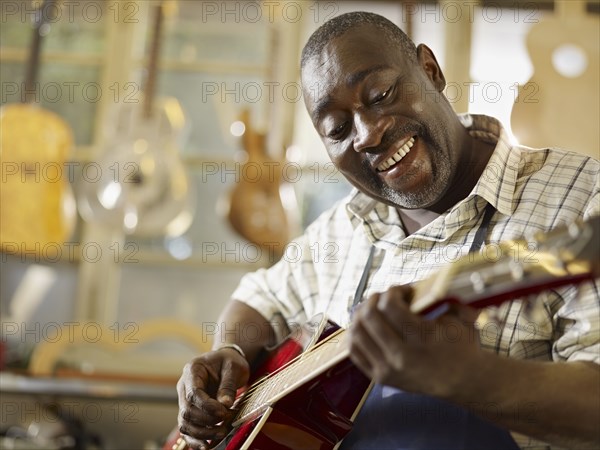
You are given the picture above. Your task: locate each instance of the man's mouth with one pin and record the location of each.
(396, 157)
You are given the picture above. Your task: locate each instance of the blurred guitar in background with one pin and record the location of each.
(256, 211)
(144, 188)
(255, 207)
(37, 207)
(559, 105)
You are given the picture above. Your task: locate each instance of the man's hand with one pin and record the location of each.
(206, 392)
(396, 347)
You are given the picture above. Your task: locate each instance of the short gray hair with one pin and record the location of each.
(344, 22)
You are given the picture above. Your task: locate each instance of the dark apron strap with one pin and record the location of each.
(360, 290)
(482, 231)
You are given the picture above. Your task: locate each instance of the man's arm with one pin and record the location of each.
(244, 326)
(555, 402)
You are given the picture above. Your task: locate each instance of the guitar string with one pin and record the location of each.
(315, 350)
(257, 384)
(276, 385)
(262, 391)
(302, 358)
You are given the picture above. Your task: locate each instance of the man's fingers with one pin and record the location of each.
(384, 336)
(199, 398)
(198, 405)
(202, 433)
(194, 444)
(394, 304)
(206, 391)
(228, 385)
(362, 362)
(204, 416)
(234, 374)
(465, 313)
(365, 348)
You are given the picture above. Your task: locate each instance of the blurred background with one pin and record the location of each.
(154, 152)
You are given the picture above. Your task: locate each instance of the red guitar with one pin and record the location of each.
(308, 392)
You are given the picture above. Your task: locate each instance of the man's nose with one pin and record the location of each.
(370, 128)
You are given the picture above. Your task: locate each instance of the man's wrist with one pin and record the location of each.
(235, 347)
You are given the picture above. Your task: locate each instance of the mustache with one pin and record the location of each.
(394, 135)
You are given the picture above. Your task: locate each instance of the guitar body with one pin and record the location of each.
(37, 212)
(316, 415)
(144, 187)
(256, 211)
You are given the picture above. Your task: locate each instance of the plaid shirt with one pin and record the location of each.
(531, 189)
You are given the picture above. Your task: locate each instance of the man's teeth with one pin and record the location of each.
(396, 156)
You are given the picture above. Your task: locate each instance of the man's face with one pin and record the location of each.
(382, 118)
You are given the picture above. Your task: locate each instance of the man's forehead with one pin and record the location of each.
(355, 50)
(345, 65)
(345, 61)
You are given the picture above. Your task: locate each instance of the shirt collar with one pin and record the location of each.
(499, 178)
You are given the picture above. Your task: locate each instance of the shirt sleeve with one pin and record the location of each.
(302, 284)
(275, 291)
(579, 316)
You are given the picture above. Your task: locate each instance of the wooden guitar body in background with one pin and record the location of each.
(552, 109)
(37, 207)
(256, 211)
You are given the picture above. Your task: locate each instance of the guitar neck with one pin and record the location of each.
(150, 87)
(563, 258)
(33, 62)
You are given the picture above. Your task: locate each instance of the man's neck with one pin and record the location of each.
(474, 163)
(415, 219)
(470, 168)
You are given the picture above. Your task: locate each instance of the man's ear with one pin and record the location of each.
(429, 64)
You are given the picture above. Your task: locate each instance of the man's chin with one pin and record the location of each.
(425, 197)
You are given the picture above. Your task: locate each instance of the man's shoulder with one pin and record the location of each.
(556, 186)
(558, 162)
(552, 154)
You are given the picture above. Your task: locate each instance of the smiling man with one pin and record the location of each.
(430, 185)
(384, 122)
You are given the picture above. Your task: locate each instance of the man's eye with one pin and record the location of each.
(337, 131)
(383, 95)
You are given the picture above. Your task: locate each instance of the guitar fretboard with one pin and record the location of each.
(308, 365)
